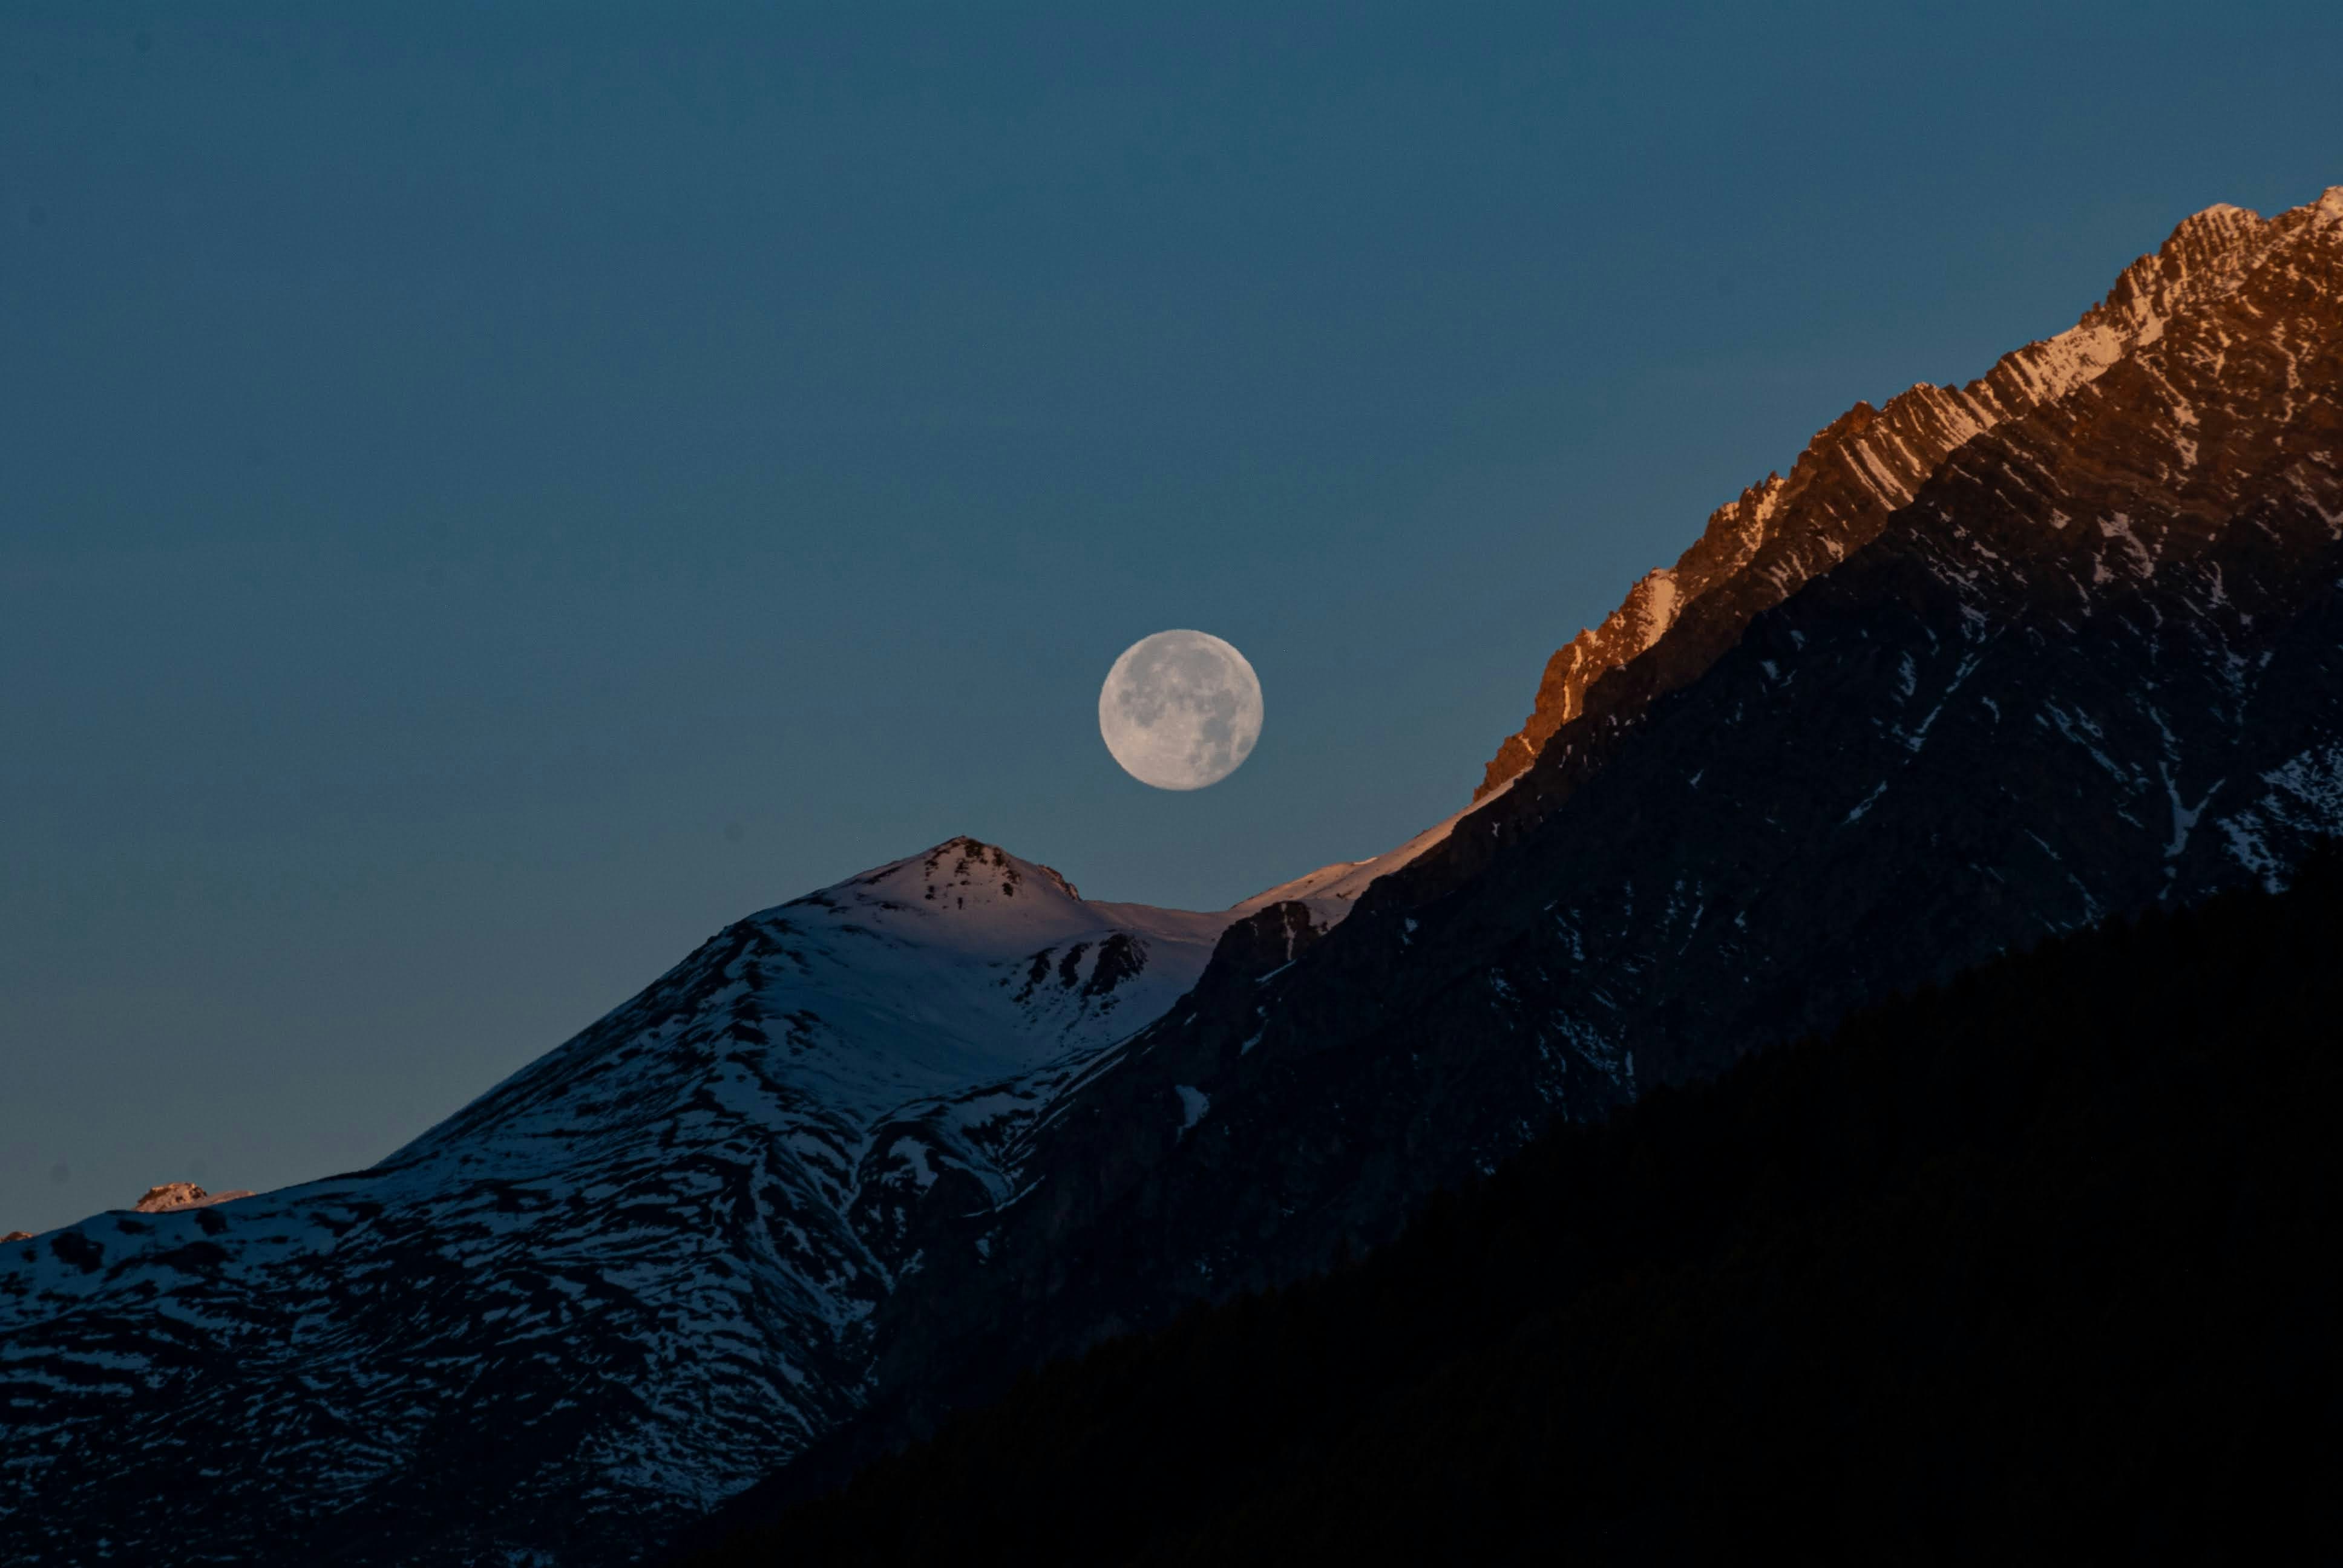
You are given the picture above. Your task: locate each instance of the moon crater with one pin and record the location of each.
(1181, 710)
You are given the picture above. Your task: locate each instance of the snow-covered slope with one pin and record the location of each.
(625, 1281)
(1330, 891)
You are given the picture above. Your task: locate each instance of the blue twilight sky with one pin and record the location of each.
(489, 492)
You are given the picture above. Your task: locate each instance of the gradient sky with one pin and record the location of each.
(489, 494)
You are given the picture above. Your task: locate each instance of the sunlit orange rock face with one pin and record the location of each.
(1761, 548)
(172, 1196)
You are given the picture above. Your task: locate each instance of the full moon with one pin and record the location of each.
(1179, 710)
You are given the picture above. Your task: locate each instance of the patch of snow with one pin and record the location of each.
(914, 1153)
(1330, 891)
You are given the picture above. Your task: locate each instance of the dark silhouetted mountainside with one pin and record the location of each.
(2044, 1264)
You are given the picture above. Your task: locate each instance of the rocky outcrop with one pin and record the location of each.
(172, 1196)
(1762, 547)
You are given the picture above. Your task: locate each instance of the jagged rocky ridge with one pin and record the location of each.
(2092, 662)
(1762, 547)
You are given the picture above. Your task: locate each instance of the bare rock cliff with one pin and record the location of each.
(1761, 548)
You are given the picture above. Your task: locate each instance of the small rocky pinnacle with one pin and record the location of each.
(173, 1195)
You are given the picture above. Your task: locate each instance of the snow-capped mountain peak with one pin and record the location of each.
(648, 1259)
(961, 892)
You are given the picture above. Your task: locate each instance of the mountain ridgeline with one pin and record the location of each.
(1991, 665)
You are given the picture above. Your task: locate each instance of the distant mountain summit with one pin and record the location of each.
(172, 1196)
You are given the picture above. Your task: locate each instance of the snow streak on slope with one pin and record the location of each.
(1330, 891)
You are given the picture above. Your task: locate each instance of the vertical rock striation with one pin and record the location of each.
(1760, 548)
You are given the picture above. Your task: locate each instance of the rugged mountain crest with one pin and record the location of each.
(1757, 550)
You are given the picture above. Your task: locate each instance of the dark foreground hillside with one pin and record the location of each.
(2045, 1263)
